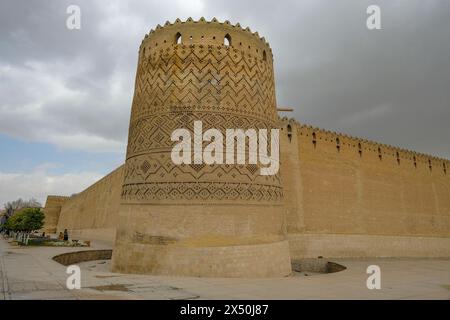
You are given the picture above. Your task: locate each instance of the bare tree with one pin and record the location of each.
(12, 206)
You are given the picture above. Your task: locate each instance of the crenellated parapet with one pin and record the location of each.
(207, 34)
(57, 197)
(362, 146)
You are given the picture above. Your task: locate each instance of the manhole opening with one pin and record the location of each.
(316, 265)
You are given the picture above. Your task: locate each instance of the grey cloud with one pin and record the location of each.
(389, 85)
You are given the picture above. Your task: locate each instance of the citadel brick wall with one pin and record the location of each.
(337, 203)
(335, 196)
(92, 214)
(352, 197)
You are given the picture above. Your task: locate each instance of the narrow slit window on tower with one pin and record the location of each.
(264, 55)
(415, 162)
(380, 156)
(445, 168)
(398, 158)
(314, 141)
(360, 149)
(178, 38)
(227, 40)
(429, 164)
(338, 144)
(289, 132)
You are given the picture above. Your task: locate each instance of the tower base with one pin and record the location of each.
(201, 241)
(249, 261)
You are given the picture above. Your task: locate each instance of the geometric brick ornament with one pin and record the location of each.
(222, 75)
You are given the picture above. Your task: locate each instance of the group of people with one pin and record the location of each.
(63, 235)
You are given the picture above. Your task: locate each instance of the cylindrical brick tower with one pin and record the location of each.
(223, 220)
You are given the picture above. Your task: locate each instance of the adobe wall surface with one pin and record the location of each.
(52, 210)
(250, 261)
(313, 245)
(337, 185)
(93, 213)
(337, 203)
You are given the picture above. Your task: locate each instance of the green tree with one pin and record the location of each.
(14, 223)
(26, 221)
(33, 219)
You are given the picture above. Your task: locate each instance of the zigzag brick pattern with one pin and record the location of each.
(176, 84)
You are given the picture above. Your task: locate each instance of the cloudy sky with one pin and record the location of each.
(65, 95)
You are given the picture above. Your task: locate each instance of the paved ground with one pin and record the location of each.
(29, 273)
